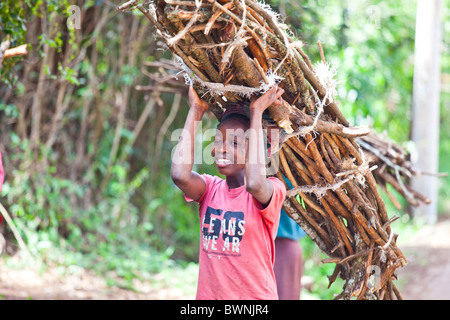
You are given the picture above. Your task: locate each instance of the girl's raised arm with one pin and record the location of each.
(255, 169)
(190, 182)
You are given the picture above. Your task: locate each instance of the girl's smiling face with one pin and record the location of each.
(230, 147)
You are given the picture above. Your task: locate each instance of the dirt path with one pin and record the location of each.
(427, 275)
(20, 284)
(55, 283)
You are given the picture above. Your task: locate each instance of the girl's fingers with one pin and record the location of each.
(192, 92)
(278, 102)
(280, 92)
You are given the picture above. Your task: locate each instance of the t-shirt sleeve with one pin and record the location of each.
(209, 181)
(271, 213)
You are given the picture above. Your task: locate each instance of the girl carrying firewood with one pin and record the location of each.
(239, 215)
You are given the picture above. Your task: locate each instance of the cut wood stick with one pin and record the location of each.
(17, 51)
(240, 22)
(333, 154)
(367, 276)
(298, 146)
(348, 258)
(294, 214)
(127, 5)
(322, 55)
(301, 169)
(304, 120)
(325, 154)
(319, 160)
(288, 207)
(343, 232)
(261, 70)
(202, 26)
(186, 3)
(216, 15)
(291, 178)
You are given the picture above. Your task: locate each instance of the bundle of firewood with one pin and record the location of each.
(231, 50)
(391, 162)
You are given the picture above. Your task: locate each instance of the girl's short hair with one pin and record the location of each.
(243, 119)
(236, 112)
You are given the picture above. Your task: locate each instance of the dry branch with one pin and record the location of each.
(17, 51)
(394, 167)
(7, 52)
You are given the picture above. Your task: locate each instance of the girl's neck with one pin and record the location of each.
(234, 182)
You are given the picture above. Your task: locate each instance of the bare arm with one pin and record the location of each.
(190, 182)
(256, 182)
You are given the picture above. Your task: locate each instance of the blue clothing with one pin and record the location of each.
(288, 228)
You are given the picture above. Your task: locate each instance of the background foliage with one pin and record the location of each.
(87, 155)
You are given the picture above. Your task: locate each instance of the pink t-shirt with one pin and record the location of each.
(237, 236)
